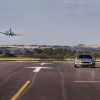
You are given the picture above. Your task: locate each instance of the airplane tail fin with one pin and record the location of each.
(10, 29)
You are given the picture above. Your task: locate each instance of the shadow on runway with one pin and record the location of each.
(87, 67)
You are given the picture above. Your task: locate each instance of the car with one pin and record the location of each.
(84, 60)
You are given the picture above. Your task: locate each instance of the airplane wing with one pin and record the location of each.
(2, 32)
(10, 34)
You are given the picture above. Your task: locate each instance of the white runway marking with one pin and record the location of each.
(37, 69)
(26, 61)
(45, 63)
(87, 81)
(42, 64)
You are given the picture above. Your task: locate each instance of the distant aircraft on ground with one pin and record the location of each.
(10, 33)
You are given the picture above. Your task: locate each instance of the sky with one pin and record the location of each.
(50, 22)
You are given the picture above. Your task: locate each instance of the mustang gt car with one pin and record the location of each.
(84, 60)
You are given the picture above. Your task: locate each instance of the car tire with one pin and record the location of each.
(76, 66)
(93, 66)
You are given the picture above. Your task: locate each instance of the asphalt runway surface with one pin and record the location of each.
(48, 80)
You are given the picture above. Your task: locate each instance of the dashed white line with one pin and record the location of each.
(87, 81)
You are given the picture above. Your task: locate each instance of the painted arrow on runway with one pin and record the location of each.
(37, 69)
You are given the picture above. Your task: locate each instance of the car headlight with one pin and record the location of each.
(93, 62)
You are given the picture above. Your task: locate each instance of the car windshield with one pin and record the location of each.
(85, 56)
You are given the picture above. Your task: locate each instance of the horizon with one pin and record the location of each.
(51, 45)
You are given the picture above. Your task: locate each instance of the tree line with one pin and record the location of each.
(51, 53)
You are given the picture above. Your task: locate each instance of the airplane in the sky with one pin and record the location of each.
(10, 33)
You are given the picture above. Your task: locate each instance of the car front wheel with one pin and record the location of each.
(93, 66)
(76, 66)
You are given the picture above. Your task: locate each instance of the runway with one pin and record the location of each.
(48, 80)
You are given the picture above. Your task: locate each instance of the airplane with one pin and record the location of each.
(10, 33)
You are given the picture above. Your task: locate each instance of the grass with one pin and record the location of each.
(15, 59)
(29, 59)
(97, 60)
(21, 58)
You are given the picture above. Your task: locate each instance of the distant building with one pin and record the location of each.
(81, 45)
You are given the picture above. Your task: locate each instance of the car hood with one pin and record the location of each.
(86, 60)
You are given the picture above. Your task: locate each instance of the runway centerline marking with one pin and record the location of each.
(87, 81)
(20, 91)
(37, 69)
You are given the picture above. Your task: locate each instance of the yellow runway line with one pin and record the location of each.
(20, 91)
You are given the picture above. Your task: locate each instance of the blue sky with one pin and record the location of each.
(51, 22)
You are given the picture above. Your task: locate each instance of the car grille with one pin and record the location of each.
(85, 62)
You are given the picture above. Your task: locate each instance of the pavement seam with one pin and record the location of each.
(62, 84)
